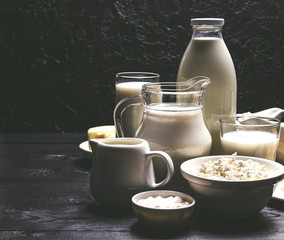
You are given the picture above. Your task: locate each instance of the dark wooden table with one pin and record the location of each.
(44, 194)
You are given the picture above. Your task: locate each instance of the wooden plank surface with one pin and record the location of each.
(43, 138)
(44, 194)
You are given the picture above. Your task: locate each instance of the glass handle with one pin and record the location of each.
(120, 107)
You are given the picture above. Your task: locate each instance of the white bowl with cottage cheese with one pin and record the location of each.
(232, 186)
(162, 209)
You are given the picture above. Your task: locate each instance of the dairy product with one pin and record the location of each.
(180, 133)
(229, 168)
(251, 143)
(107, 131)
(101, 132)
(127, 89)
(164, 203)
(209, 56)
(131, 117)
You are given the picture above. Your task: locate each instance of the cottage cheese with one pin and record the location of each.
(229, 168)
(160, 202)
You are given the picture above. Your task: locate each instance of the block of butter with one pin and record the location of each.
(107, 131)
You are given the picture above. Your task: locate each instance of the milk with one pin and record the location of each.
(209, 56)
(251, 143)
(127, 89)
(180, 133)
(131, 116)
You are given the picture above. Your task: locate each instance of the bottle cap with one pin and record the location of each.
(207, 21)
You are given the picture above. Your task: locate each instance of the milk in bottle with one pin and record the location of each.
(207, 55)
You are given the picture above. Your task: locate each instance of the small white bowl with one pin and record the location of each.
(161, 218)
(231, 199)
(84, 146)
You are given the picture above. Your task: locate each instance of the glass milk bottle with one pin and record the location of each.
(207, 55)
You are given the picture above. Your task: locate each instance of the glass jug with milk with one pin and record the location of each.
(172, 122)
(208, 55)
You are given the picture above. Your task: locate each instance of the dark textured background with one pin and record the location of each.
(58, 59)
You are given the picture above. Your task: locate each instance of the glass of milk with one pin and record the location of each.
(250, 136)
(128, 84)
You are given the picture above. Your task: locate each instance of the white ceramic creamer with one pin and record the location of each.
(122, 167)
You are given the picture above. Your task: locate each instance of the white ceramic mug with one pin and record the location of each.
(122, 167)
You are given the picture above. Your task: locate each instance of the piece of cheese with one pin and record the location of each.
(107, 131)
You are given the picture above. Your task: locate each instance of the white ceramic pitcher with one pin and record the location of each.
(122, 167)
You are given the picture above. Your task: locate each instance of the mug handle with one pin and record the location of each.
(169, 163)
(119, 109)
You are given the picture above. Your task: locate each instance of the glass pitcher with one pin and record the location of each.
(172, 122)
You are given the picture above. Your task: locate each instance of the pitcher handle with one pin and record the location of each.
(169, 163)
(119, 110)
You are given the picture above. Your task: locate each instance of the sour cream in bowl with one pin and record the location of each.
(163, 209)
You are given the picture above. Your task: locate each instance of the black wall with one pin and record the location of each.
(58, 58)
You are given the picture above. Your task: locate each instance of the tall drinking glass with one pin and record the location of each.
(129, 84)
(250, 136)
